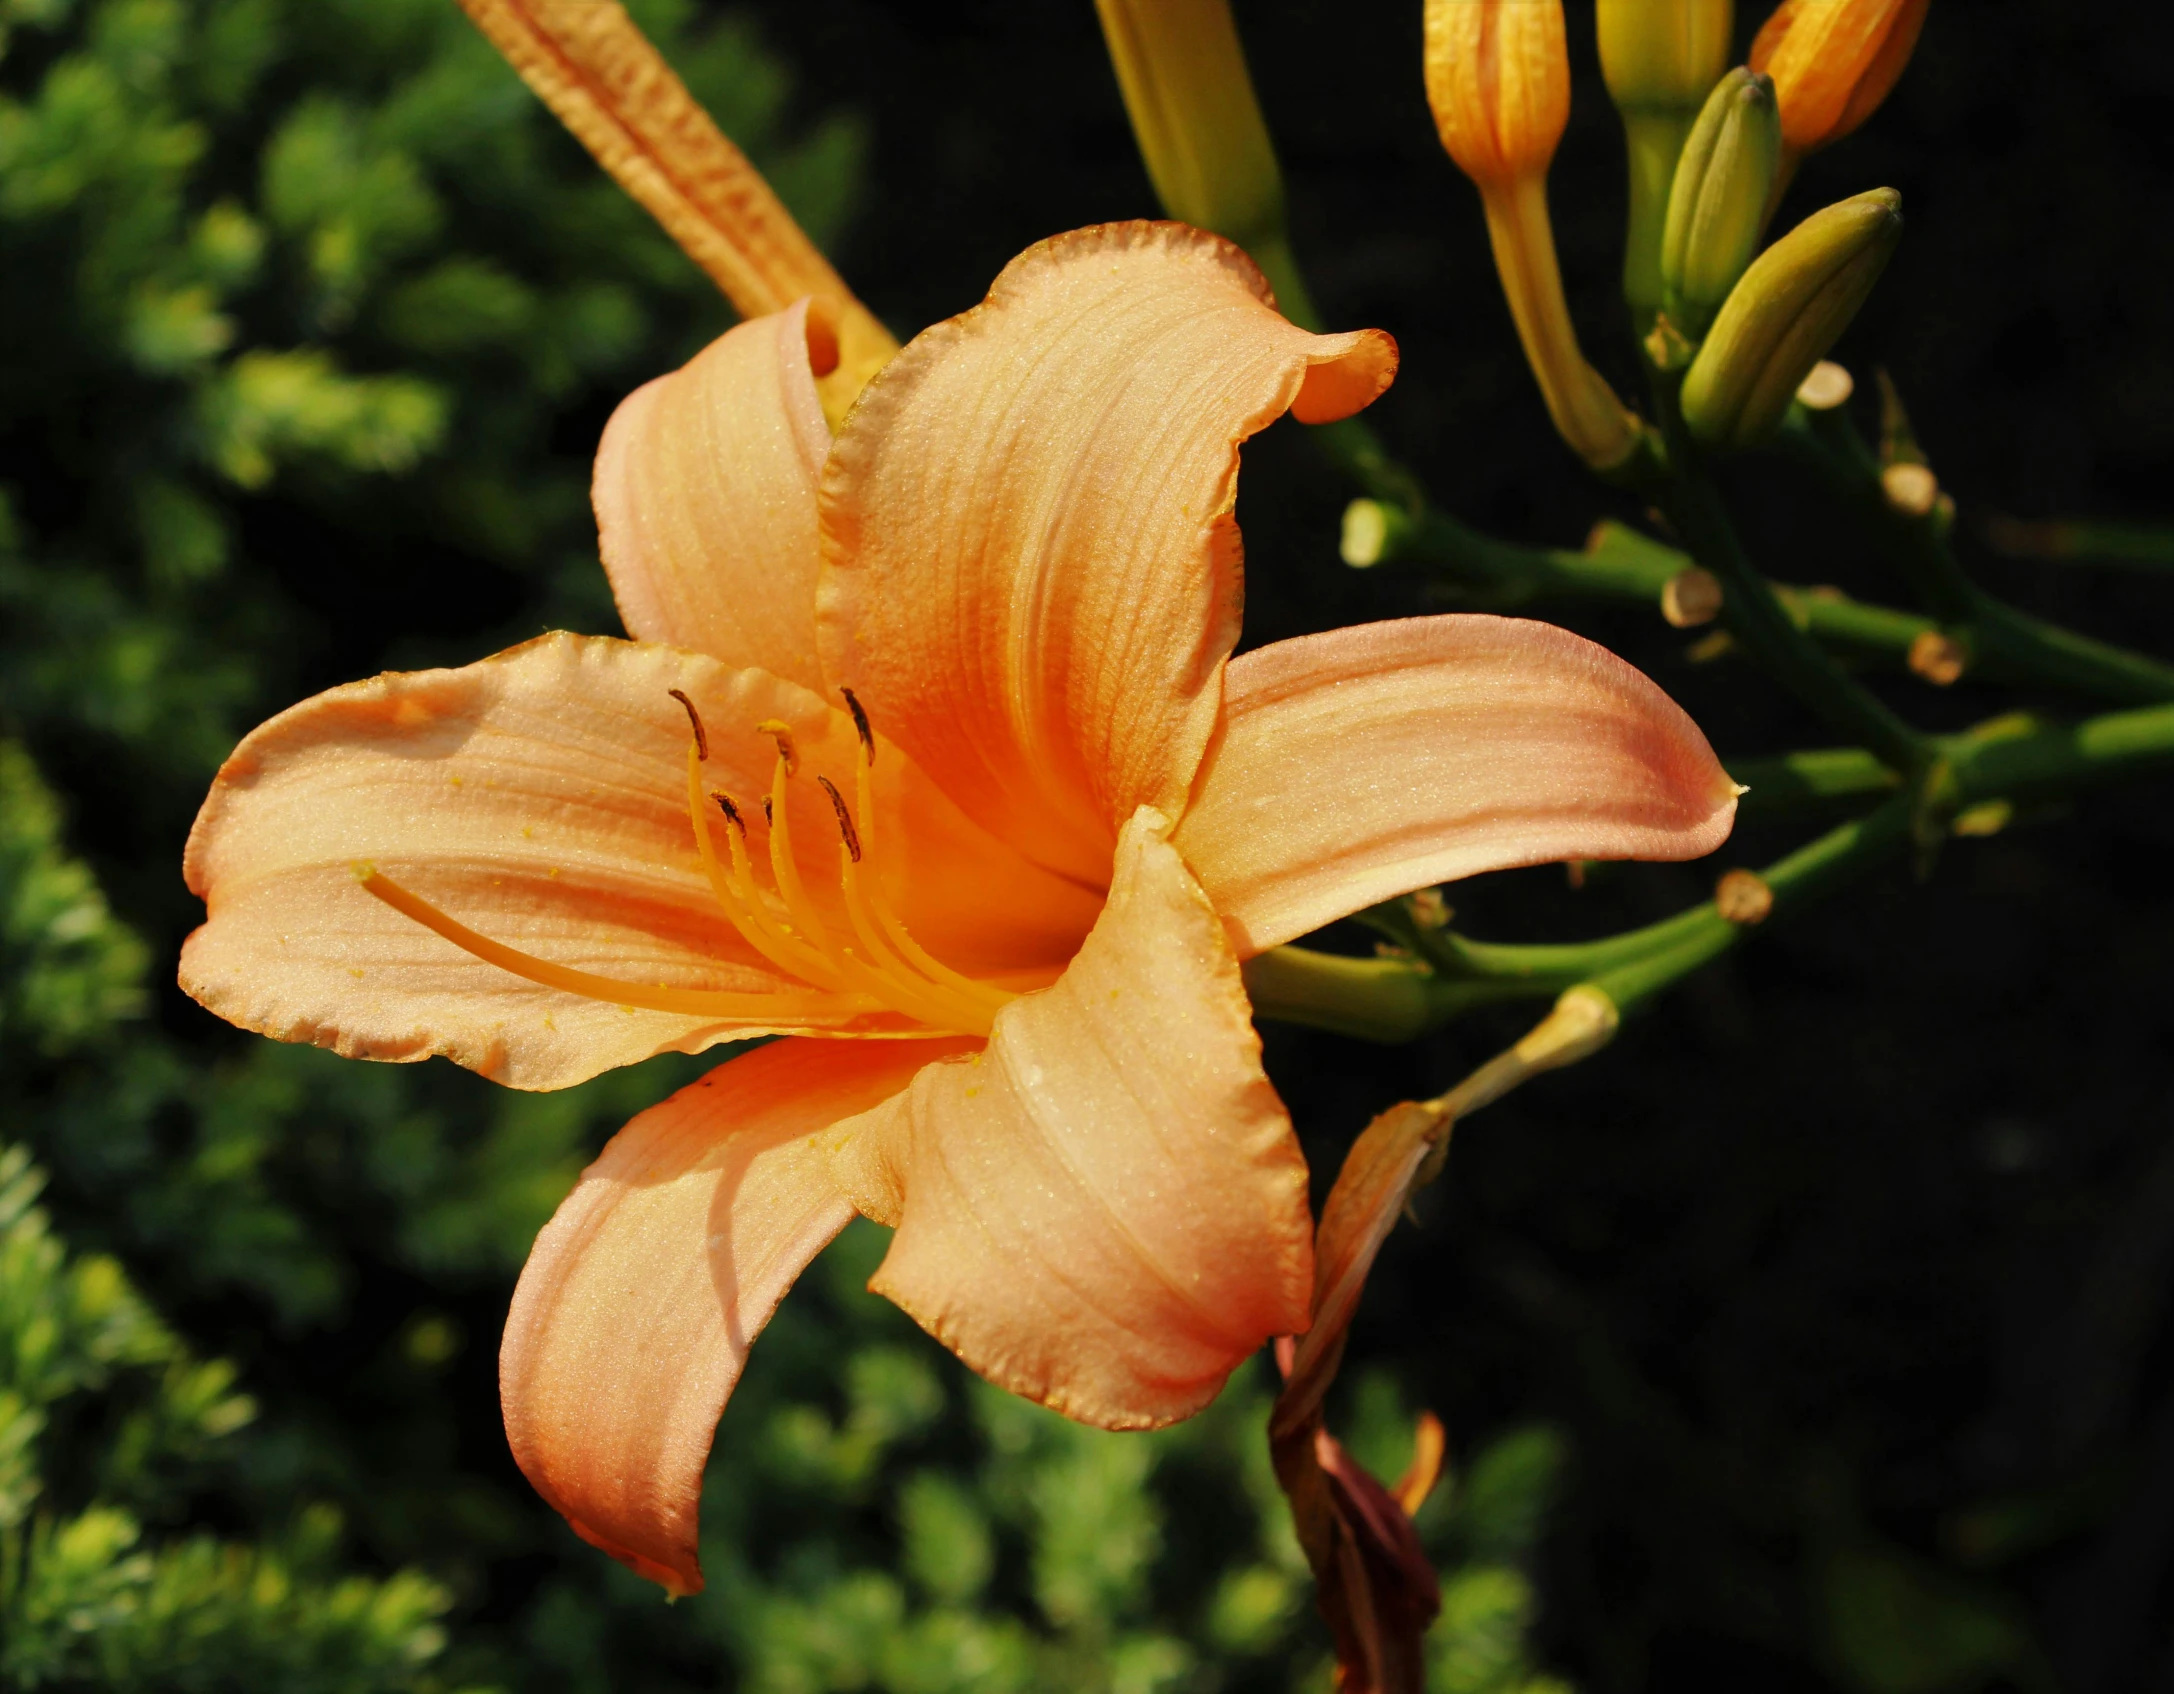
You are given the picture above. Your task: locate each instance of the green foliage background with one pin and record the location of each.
(307, 311)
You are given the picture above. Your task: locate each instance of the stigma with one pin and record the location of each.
(841, 972)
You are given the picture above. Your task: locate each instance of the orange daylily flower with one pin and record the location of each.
(1025, 816)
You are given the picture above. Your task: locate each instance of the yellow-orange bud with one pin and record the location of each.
(1498, 78)
(1194, 112)
(1833, 62)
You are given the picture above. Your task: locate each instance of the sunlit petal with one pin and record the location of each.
(1106, 1210)
(1370, 761)
(540, 798)
(1031, 571)
(705, 501)
(642, 1296)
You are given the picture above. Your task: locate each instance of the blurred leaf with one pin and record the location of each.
(68, 969)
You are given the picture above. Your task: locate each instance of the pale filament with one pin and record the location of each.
(656, 997)
(888, 971)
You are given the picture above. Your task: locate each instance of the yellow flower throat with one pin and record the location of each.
(880, 968)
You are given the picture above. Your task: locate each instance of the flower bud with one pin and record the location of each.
(1663, 55)
(1833, 62)
(1194, 112)
(1498, 78)
(1660, 58)
(1780, 319)
(1717, 206)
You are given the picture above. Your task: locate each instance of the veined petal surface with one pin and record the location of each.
(540, 798)
(705, 501)
(641, 1298)
(1370, 761)
(1031, 571)
(1106, 1209)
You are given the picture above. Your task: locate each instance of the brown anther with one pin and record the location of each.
(1691, 597)
(781, 732)
(1743, 897)
(860, 724)
(1938, 658)
(732, 812)
(845, 818)
(694, 722)
(768, 816)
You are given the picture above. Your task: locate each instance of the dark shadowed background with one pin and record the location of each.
(1843, 1277)
(1849, 1270)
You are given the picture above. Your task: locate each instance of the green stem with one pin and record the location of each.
(1385, 1000)
(1654, 138)
(1755, 615)
(1814, 776)
(1399, 999)
(1810, 873)
(1440, 975)
(2001, 639)
(2023, 759)
(1617, 565)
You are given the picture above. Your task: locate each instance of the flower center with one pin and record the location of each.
(878, 967)
(881, 960)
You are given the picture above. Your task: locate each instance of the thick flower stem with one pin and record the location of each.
(1385, 1000)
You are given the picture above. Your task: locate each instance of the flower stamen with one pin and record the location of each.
(658, 997)
(886, 971)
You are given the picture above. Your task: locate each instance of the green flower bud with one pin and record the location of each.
(1660, 58)
(1718, 203)
(1663, 54)
(1780, 319)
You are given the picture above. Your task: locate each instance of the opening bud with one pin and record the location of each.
(1663, 55)
(1783, 315)
(1833, 62)
(1717, 206)
(1498, 78)
(1660, 57)
(1195, 115)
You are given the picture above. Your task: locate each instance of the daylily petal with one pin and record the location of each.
(1031, 572)
(1106, 1209)
(540, 798)
(643, 1294)
(1373, 760)
(705, 500)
